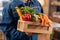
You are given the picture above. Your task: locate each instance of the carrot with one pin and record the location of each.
(44, 23)
(45, 20)
(41, 17)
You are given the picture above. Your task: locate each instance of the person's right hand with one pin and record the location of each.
(29, 34)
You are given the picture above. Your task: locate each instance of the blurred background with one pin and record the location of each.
(2, 4)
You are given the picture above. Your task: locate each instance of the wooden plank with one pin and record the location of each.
(37, 31)
(42, 30)
(43, 36)
(54, 19)
(52, 10)
(56, 14)
(55, 3)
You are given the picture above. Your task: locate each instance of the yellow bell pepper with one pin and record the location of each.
(19, 12)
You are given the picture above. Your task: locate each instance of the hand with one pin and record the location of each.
(49, 22)
(29, 34)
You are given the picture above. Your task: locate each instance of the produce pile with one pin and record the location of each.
(28, 14)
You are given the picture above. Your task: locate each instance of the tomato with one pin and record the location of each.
(26, 17)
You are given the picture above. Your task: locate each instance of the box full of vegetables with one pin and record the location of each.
(31, 22)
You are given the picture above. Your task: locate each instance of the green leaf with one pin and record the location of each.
(33, 18)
